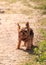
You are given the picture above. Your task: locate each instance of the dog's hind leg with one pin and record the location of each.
(27, 45)
(32, 41)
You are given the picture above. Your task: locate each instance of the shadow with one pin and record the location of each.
(31, 51)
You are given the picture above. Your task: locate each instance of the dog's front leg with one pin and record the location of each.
(19, 43)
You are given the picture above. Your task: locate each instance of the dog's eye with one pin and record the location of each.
(21, 31)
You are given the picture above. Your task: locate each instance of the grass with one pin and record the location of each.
(40, 7)
(42, 30)
(41, 4)
(38, 0)
(26, 11)
(10, 1)
(30, 62)
(43, 22)
(41, 52)
(26, 3)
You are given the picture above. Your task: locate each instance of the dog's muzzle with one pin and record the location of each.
(23, 34)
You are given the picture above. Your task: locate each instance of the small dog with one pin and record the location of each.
(26, 35)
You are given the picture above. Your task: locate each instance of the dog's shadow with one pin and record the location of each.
(30, 51)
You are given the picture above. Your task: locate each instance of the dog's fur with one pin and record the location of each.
(26, 35)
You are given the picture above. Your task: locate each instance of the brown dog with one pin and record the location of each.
(26, 35)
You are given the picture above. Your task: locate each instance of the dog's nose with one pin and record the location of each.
(23, 33)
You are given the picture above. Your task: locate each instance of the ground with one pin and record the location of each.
(9, 39)
(9, 55)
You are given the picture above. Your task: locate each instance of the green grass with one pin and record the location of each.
(41, 52)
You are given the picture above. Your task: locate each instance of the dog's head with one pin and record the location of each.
(24, 32)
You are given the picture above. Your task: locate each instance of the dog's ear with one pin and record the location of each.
(18, 26)
(27, 26)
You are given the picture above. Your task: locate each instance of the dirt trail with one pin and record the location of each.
(9, 37)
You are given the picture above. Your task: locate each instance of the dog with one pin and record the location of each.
(26, 35)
